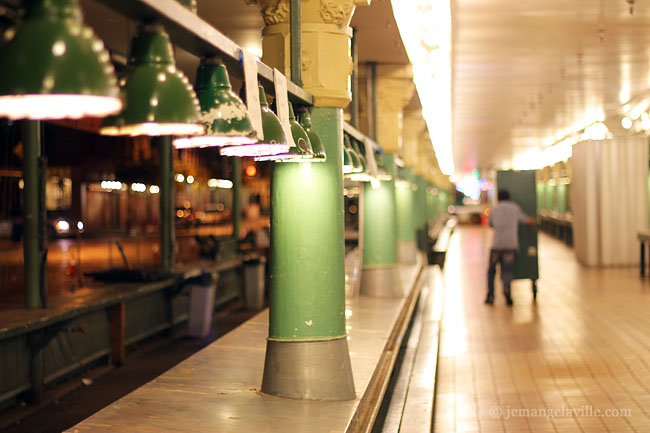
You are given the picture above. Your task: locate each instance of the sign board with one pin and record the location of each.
(370, 157)
(253, 93)
(282, 104)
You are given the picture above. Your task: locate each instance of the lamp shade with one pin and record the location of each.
(158, 98)
(316, 143)
(274, 142)
(382, 172)
(359, 174)
(189, 4)
(301, 152)
(348, 165)
(53, 67)
(355, 161)
(223, 114)
(361, 157)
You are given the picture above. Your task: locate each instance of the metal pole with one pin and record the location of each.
(431, 213)
(369, 99)
(31, 243)
(373, 83)
(236, 197)
(419, 211)
(166, 203)
(354, 103)
(42, 233)
(296, 43)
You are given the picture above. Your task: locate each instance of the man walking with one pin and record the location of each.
(504, 218)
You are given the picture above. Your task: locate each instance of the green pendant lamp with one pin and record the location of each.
(53, 67)
(316, 143)
(348, 165)
(355, 161)
(189, 4)
(362, 174)
(382, 172)
(224, 115)
(362, 159)
(158, 98)
(301, 152)
(274, 142)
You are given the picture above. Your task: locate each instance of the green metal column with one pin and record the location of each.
(166, 203)
(433, 202)
(431, 212)
(307, 244)
(419, 214)
(443, 202)
(406, 240)
(31, 135)
(236, 197)
(380, 276)
(307, 355)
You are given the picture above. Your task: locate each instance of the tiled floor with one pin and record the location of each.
(576, 361)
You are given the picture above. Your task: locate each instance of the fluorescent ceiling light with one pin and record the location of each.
(425, 28)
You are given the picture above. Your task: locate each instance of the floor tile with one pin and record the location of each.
(552, 366)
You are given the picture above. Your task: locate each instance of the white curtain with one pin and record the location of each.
(609, 192)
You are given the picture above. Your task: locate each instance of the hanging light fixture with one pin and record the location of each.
(301, 152)
(382, 172)
(316, 143)
(189, 4)
(274, 142)
(348, 165)
(159, 99)
(359, 175)
(357, 166)
(360, 156)
(53, 67)
(224, 115)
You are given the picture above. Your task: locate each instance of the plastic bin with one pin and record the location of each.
(254, 282)
(202, 293)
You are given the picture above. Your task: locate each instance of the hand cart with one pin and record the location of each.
(521, 186)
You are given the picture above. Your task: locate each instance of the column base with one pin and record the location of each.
(407, 252)
(381, 282)
(309, 370)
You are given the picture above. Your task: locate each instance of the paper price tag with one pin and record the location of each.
(253, 93)
(282, 104)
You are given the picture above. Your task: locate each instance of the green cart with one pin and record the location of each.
(521, 186)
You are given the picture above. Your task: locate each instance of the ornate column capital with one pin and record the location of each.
(273, 11)
(425, 150)
(337, 12)
(394, 91)
(414, 125)
(325, 42)
(429, 168)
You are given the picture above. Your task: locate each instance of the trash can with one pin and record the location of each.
(254, 282)
(202, 291)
